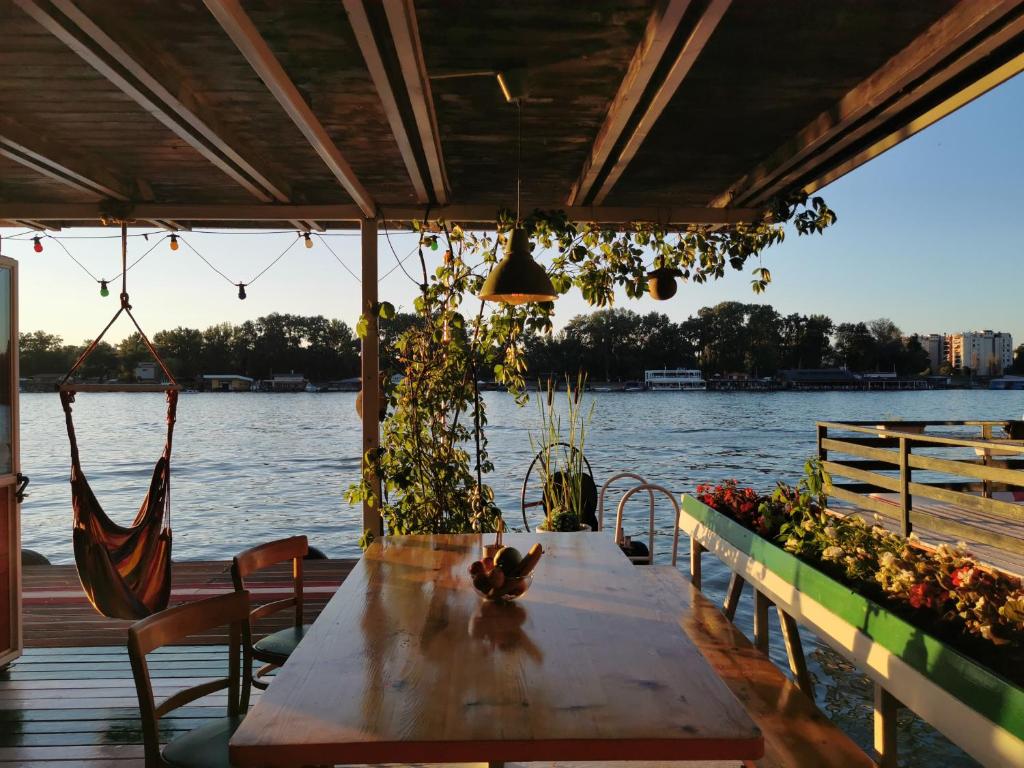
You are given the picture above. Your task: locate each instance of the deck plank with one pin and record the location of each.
(56, 613)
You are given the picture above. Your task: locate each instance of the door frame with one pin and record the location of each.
(9, 483)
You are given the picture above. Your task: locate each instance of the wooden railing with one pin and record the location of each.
(975, 459)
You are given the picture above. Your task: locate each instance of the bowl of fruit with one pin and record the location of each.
(507, 575)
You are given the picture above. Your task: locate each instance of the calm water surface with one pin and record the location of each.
(253, 467)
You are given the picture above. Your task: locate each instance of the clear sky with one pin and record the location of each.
(930, 235)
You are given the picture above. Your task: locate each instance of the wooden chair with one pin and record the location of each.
(207, 745)
(273, 649)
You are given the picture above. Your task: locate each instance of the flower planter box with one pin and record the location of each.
(975, 708)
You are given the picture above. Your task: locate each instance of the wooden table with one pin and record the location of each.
(407, 664)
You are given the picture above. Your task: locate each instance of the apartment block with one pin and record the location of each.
(986, 353)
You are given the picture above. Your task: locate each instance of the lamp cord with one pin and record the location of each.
(519, 156)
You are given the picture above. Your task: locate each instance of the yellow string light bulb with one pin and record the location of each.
(308, 239)
(174, 242)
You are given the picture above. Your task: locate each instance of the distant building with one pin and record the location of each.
(937, 347)
(284, 382)
(986, 353)
(227, 382)
(1007, 382)
(146, 372)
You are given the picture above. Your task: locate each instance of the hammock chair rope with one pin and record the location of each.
(125, 572)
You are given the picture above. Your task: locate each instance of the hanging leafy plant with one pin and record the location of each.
(433, 457)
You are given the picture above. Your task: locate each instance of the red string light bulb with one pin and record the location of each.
(38, 247)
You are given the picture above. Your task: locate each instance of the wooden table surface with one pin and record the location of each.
(407, 664)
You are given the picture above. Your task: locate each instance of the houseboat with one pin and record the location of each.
(675, 380)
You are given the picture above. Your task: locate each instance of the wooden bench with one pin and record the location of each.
(796, 733)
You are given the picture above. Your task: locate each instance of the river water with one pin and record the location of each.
(252, 467)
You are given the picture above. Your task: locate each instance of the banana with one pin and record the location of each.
(529, 562)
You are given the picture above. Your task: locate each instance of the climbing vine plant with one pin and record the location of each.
(433, 458)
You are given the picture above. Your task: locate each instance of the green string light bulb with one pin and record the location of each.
(104, 291)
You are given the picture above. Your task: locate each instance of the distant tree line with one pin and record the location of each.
(728, 338)
(611, 344)
(320, 348)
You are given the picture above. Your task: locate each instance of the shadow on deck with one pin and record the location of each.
(70, 700)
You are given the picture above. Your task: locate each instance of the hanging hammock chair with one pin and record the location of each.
(125, 572)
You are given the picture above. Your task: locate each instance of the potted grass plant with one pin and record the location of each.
(570, 495)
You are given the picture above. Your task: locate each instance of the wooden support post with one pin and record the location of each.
(795, 653)
(761, 603)
(370, 370)
(823, 452)
(905, 499)
(886, 709)
(732, 596)
(696, 548)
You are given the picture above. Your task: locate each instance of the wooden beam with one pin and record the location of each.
(240, 28)
(102, 53)
(370, 371)
(360, 22)
(483, 215)
(681, 67)
(32, 150)
(661, 28)
(405, 32)
(965, 36)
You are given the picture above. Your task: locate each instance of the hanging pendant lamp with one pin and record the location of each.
(517, 278)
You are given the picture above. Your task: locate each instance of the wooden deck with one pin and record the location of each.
(70, 700)
(56, 613)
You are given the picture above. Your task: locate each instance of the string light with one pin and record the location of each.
(308, 239)
(104, 291)
(38, 247)
(174, 242)
(241, 291)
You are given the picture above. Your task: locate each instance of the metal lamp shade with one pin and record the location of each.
(517, 278)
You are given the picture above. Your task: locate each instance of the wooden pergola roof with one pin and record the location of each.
(322, 112)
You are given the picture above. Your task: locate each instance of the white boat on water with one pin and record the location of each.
(675, 380)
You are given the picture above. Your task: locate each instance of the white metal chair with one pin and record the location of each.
(618, 533)
(651, 488)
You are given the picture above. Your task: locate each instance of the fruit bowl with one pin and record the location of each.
(503, 574)
(511, 589)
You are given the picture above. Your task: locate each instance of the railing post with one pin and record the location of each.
(986, 459)
(822, 452)
(906, 501)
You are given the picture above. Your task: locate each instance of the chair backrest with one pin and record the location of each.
(173, 625)
(263, 556)
(651, 488)
(604, 490)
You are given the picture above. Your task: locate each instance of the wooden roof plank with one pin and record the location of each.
(661, 28)
(684, 62)
(32, 150)
(360, 21)
(977, 88)
(240, 28)
(401, 15)
(98, 50)
(898, 84)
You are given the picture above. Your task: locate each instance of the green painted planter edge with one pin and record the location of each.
(979, 688)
